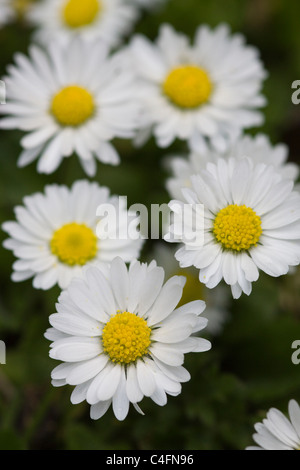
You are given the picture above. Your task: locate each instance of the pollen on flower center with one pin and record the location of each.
(237, 228)
(188, 86)
(74, 244)
(72, 106)
(126, 337)
(78, 13)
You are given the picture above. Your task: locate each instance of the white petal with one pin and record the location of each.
(145, 378)
(86, 370)
(73, 325)
(150, 289)
(294, 412)
(99, 409)
(133, 390)
(79, 393)
(83, 298)
(75, 349)
(173, 334)
(167, 354)
(120, 283)
(167, 300)
(120, 401)
(109, 383)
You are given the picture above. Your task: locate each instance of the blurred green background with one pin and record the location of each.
(249, 368)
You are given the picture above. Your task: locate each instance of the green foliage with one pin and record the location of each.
(249, 368)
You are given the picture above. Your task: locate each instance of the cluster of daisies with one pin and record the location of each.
(122, 327)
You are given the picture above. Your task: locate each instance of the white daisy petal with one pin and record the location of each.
(99, 409)
(258, 148)
(294, 412)
(167, 353)
(159, 396)
(108, 386)
(65, 105)
(133, 389)
(163, 306)
(251, 224)
(167, 334)
(145, 378)
(73, 325)
(150, 289)
(117, 357)
(228, 73)
(56, 236)
(79, 393)
(120, 402)
(75, 349)
(86, 370)
(281, 427)
(277, 432)
(108, 20)
(121, 282)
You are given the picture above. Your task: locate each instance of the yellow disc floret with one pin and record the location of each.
(126, 337)
(74, 244)
(79, 13)
(237, 228)
(72, 106)
(188, 86)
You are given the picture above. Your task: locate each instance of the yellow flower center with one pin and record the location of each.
(237, 228)
(126, 337)
(72, 106)
(188, 86)
(74, 244)
(79, 13)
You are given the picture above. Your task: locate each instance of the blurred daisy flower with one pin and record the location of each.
(258, 148)
(108, 20)
(121, 337)
(56, 234)
(73, 99)
(217, 302)
(148, 3)
(12, 10)
(7, 12)
(251, 222)
(277, 432)
(209, 91)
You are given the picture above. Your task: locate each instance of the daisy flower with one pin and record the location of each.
(56, 234)
(277, 432)
(217, 303)
(208, 91)
(69, 100)
(251, 222)
(108, 20)
(258, 148)
(120, 337)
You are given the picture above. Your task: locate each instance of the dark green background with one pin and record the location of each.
(249, 368)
